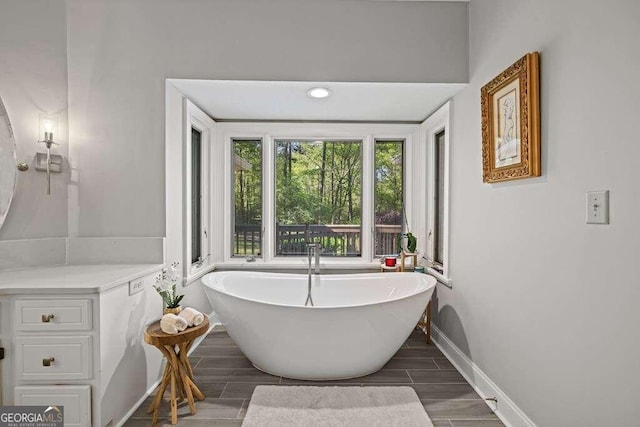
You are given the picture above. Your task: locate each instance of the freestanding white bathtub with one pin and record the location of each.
(358, 322)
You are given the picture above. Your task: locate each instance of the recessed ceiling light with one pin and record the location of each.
(318, 92)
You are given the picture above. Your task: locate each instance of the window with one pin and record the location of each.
(196, 195)
(278, 186)
(258, 192)
(389, 196)
(197, 137)
(247, 174)
(318, 197)
(438, 196)
(436, 131)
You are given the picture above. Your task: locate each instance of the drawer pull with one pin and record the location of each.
(46, 318)
(48, 362)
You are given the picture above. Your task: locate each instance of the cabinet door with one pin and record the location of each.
(76, 400)
(53, 315)
(53, 358)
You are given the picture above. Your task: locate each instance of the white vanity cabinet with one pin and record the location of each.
(80, 346)
(53, 345)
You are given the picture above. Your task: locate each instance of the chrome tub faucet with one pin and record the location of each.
(313, 250)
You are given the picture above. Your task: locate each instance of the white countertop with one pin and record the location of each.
(70, 279)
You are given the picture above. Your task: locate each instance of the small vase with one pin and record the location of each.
(403, 242)
(172, 310)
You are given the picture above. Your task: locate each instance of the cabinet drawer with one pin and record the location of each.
(53, 358)
(53, 315)
(76, 400)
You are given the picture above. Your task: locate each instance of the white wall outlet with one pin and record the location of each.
(598, 207)
(136, 286)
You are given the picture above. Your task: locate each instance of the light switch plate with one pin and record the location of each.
(136, 286)
(598, 207)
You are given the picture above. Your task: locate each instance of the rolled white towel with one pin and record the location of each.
(187, 314)
(192, 316)
(172, 324)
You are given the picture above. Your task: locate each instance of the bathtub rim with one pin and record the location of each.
(427, 288)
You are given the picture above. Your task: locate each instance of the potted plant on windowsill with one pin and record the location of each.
(407, 242)
(166, 286)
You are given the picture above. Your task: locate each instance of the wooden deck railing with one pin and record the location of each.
(336, 240)
(386, 238)
(247, 240)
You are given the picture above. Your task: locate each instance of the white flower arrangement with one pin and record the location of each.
(166, 285)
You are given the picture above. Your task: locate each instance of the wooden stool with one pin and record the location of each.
(177, 371)
(404, 255)
(425, 323)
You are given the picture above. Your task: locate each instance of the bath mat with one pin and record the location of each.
(304, 406)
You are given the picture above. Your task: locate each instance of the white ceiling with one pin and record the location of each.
(278, 100)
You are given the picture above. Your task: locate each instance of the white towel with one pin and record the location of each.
(187, 314)
(192, 316)
(172, 324)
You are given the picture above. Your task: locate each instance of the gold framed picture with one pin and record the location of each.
(511, 122)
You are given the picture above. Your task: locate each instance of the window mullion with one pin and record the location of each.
(409, 221)
(268, 198)
(228, 202)
(217, 192)
(368, 152)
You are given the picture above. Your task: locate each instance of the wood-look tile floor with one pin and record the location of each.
(227, 379)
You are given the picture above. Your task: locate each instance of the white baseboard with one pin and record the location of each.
(508, 412)
(138, 403)
(213, 320)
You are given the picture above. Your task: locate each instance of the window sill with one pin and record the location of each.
(295, 264)
(186, 281)
(441, 278)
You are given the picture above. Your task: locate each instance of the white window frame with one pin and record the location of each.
(269, 133)
(406, 178)
(231, 186)
(429, 129)
(194, 117)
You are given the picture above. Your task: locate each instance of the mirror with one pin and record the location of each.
(7, 163)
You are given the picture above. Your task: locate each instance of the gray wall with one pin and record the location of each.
(120, 52)
(33, 80)
(543, 303)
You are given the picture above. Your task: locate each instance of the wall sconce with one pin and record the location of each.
(47, 162)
